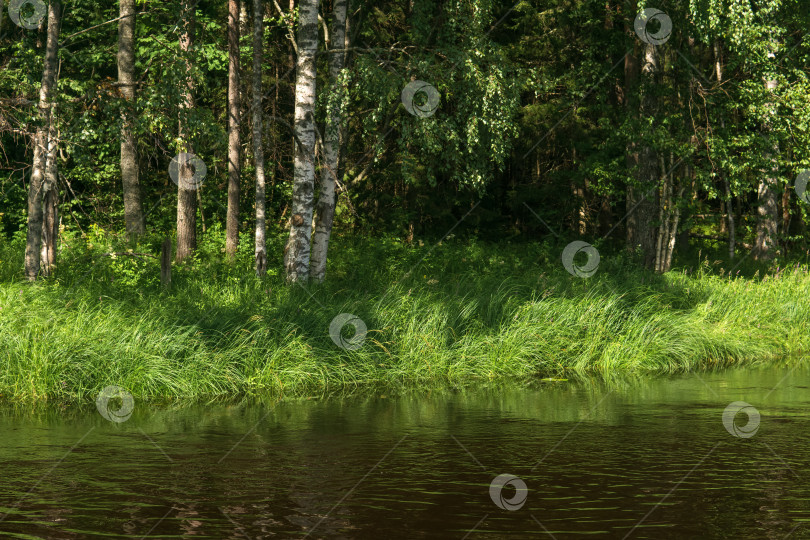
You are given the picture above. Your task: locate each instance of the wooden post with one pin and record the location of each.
(166, 263)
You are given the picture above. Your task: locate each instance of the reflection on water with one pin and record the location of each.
(637, 459)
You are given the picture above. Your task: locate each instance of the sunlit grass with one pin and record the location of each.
(468, 312)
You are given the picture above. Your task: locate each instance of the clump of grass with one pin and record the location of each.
(468, 311)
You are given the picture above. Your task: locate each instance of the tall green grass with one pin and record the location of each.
(467, 311)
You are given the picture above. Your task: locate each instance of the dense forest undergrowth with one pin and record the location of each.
(436, 314)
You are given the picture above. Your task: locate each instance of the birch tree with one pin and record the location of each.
(258, 148)
(41, 146)
(234, 142)
(297, 252)
(331, 144)
(669, 214)
(50, 200)
(186, 196)
(767, 210)
(133, 208)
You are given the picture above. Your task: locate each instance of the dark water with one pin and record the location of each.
(636, 459)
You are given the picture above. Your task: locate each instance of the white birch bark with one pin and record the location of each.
(331, 145)
(767, 210)
(41, 141)
(297, 253)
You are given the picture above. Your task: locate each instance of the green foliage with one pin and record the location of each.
(446, 314)
(534, 111)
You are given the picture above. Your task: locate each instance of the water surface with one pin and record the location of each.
(649, 458)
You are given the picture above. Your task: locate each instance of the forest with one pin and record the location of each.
(404, 269)
(215, 198)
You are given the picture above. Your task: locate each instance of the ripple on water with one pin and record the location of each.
(647, 459)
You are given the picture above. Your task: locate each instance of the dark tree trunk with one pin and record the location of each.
(732, 226)
(186, 196)
(234, 142)
(258, 147)
(133, 208)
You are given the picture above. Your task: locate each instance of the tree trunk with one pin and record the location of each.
(664, 192)
(234, 143)
(41, 144)
(186, 196)
(244, 28)
(767, 209)
(732, 230)
(258, 148)
(296, 257)
(50, 216)
(669, 216)
(133, 208)
(332, 144)
(642, 206)
(785, 208)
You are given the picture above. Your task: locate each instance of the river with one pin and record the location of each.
(711, 455)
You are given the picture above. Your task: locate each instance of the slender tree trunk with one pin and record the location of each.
(50, 216)
(186, 196)
(258, 148)
(641, 200)
(133, 208)
(674, 234)
(661, 217)
(669, 216)
(245, 95)
(296, 258)
(41, 144)
(331, 145)
(732, 229)
(234, 143)
(785, 208)
(767, 209)
(244, 27)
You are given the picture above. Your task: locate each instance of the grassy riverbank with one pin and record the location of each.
(467, 311)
